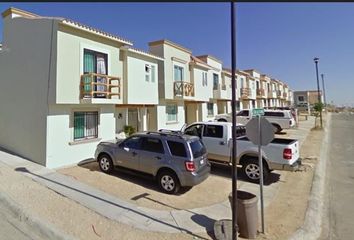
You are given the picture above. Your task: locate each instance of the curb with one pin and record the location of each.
(38, 226)
(312, 226)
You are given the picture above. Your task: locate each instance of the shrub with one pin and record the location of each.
(129, 130)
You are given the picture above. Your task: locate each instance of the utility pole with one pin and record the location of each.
(324, 90)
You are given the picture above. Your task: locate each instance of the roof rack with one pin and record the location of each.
(166, 132)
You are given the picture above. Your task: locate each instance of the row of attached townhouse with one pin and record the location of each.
(66, 86)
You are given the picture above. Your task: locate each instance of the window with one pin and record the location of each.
(133, 143)
(214, 131)
(215, 81)
(147, 72)
(177, 148)
(301, 98)
(204, 79)
(178, 73)
(243, 113)
(195, 130)
(210, 107)
(152, 145)
(274, 114)
(171, 111)
(85, 125)
(95, 62)
(257, 85)
(198, 148)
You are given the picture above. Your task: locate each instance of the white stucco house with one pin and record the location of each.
(67, 87)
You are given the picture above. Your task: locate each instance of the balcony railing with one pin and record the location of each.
(260, 92)
(245, 92)
(183, 89)
(95, 85)
(278, 93)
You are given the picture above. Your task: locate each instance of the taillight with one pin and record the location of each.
(190, 166)
(287, 153)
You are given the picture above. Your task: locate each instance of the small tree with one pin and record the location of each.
(318, 107)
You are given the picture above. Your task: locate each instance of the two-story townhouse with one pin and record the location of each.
(261, 96)
(273, 95)
(280, 92)
(285, 95)
(266, 86)
(61, 82)
(175, 87)
(219, 87)
(140, 91)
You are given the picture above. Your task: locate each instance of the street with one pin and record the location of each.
(340, 179)
(12, 229)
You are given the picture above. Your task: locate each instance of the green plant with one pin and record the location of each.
(129, 130)
(318, 107)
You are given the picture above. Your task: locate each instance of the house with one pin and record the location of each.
(68, 86)
(247, 90)
(304, 100)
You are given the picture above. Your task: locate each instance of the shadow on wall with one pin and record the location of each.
(15, 154)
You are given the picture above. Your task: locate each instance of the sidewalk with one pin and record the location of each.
(192, 221)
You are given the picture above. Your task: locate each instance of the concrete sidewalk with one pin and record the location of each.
(175, 221)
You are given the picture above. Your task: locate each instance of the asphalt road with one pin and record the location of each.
(13, 229)
(340, 179)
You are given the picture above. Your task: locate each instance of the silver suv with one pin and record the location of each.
(175, 160)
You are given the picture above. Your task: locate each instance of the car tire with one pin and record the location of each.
(250, 169)
(168, 182)
(106, 164)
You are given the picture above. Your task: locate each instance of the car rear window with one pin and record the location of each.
(177, 148)
(198, 148)
(274, 114)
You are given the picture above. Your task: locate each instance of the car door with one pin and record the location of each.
(214, 139)
(243, 117)
(195, 130)
(128, 153)
(152, 154)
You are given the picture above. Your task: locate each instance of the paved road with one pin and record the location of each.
(13, 229)
(340, 179)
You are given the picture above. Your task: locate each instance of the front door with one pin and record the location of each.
(128, 153)
(152, 154)
(214, 139)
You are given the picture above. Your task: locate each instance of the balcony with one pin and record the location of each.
(99, 88)
(285, 95)
(261, 93)
(245, 93)
(279, 95)
(183, 89)
(223, 92)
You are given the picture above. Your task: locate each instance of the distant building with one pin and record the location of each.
(305, 99)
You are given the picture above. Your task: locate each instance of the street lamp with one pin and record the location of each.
(316, 59)
(324, 90)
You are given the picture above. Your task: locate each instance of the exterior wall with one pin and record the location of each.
(171, 54)
(135, 85)
(202, 93)
(142, 121)
(61, 148)
(205, 116)
(27, 68)
(72, 43)
(162, 116)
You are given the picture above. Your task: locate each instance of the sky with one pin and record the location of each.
(277, 39)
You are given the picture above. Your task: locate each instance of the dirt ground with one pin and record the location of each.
(286, 213)
(144, 192)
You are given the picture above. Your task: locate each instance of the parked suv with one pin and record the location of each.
(174, 159)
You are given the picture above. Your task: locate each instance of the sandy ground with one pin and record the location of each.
(287, 212)
(144, 192)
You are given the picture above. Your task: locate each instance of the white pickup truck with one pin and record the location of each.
(280, 119)
(280, 154)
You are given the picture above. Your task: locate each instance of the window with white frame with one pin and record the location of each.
(171, 112)
(301, 98)
(215, 81)
(153, 73)
(178, 73)
(85, 125)
(204, 79)
(210, 107)
(147, 72)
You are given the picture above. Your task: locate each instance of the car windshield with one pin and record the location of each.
(198, 148)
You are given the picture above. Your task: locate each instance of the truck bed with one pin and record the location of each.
(284, 141)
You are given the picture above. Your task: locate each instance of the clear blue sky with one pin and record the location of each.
(278, 39)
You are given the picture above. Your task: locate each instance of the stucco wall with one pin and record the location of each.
(71, 44)
(162, 116)
(139, 91)
(25, 80)
(202, 93)
(60, 135)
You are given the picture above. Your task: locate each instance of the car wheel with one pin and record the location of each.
(105, 163)
(168, 182)
(251, 170)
